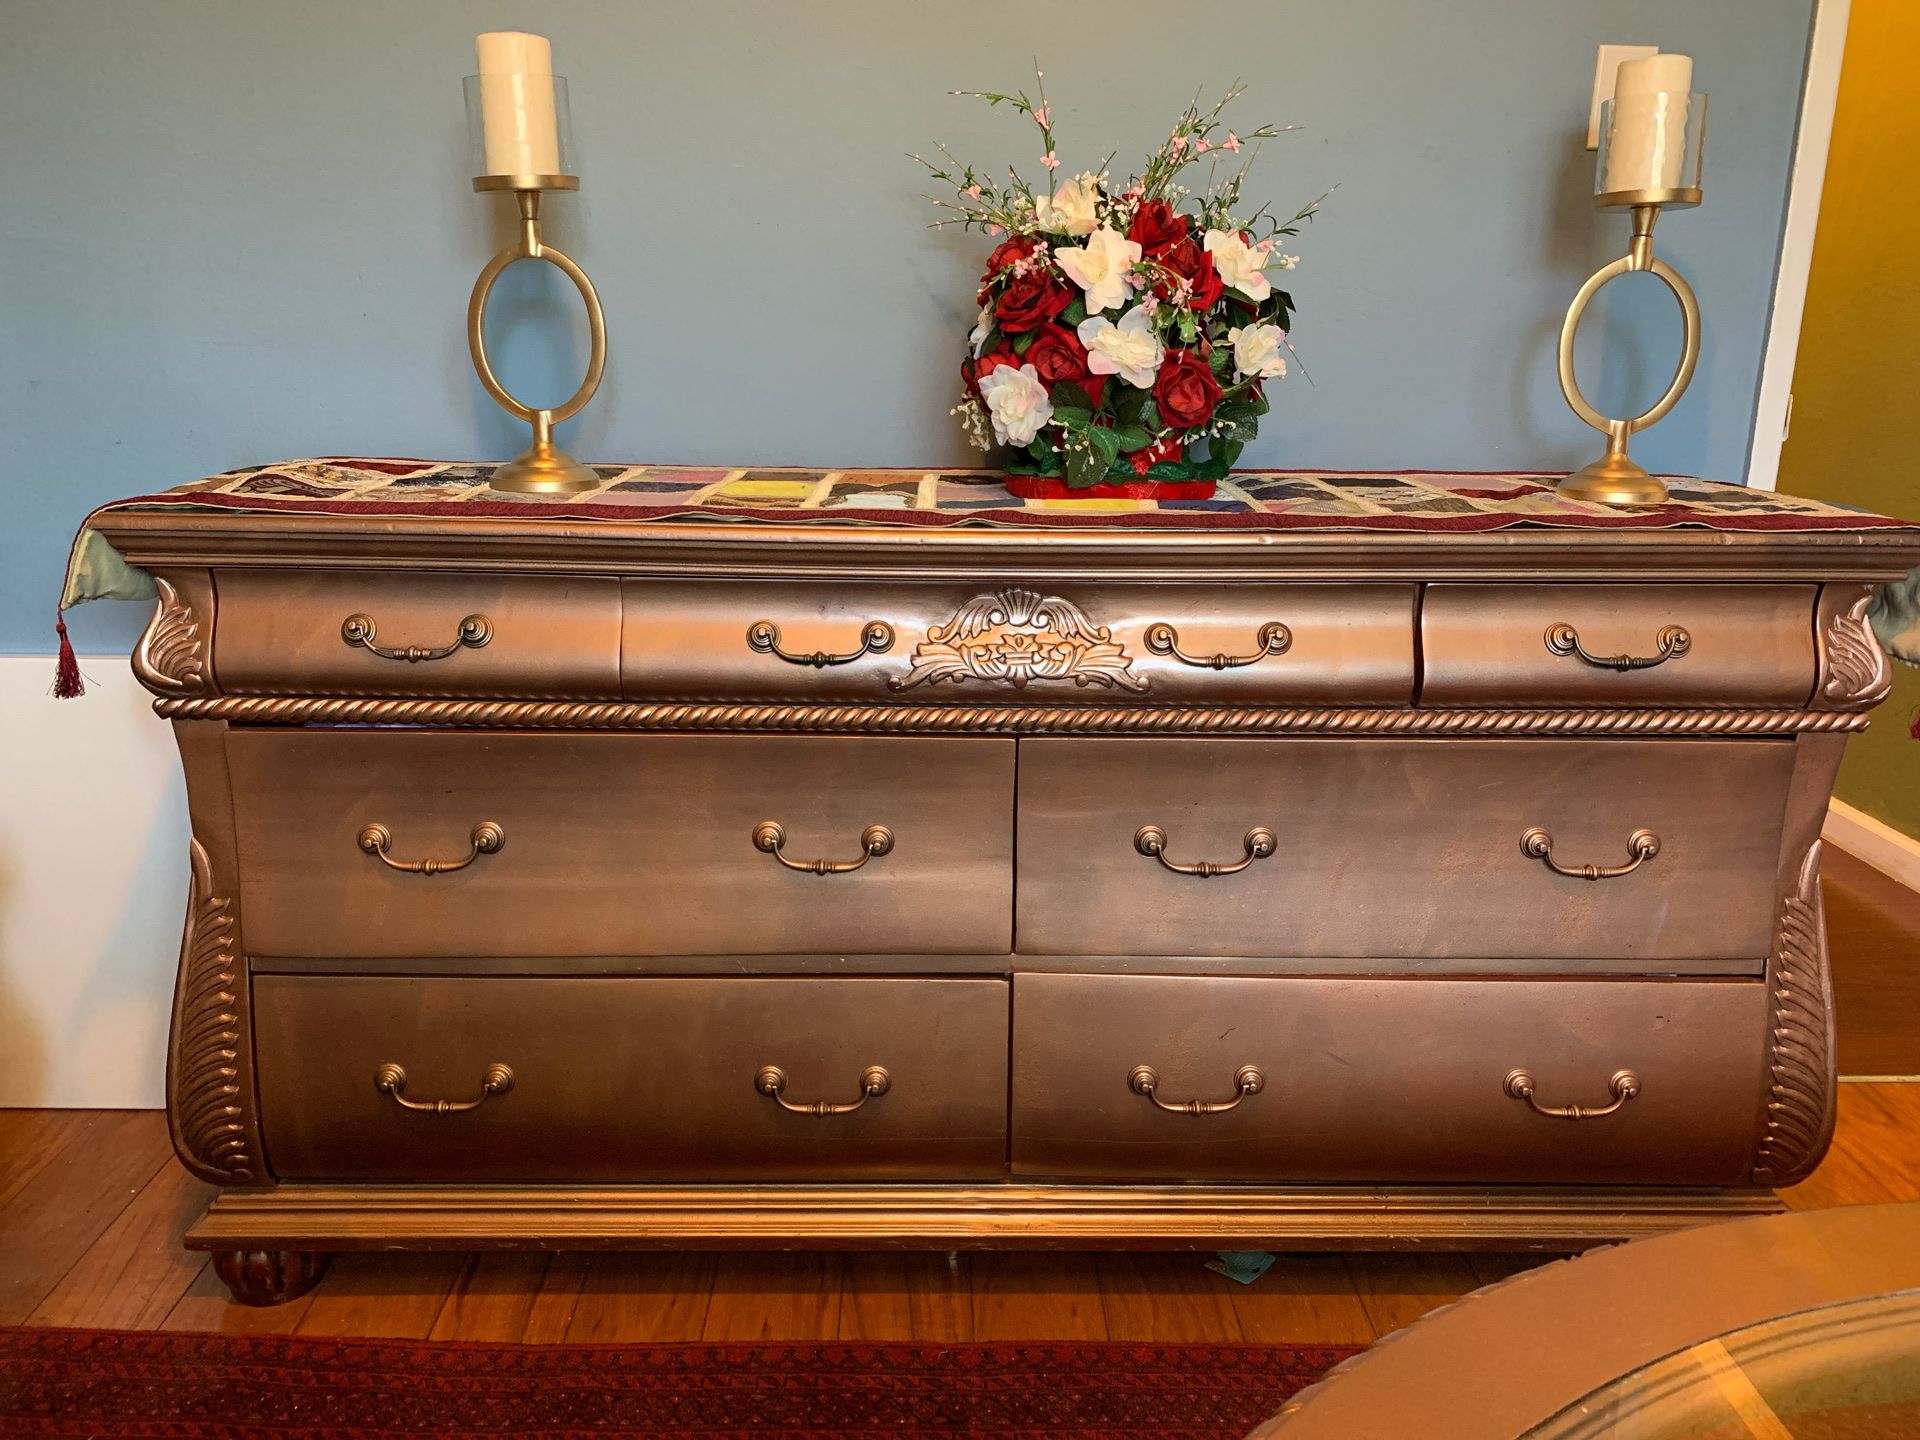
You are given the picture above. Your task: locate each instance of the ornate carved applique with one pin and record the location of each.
(1017, 636)
(209, 1100)
(171, 656)
(1854, 673)
(1799, 1115)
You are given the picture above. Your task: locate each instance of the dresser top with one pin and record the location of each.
(1261, 524)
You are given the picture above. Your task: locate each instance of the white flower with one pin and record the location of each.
(1256, 350)
(1130, 349)
(1071, 210)
(1239, 263)
(978, 338)
(1287, 262)
(1017, 401)
(1100, 267)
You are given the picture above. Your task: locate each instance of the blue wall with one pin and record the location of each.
(235, 232)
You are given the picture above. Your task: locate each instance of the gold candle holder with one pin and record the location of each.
(1666, 139)
(544, 468)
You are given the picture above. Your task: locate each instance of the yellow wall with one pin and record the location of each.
(1856, 385)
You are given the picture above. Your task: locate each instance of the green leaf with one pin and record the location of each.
(1149, 418)
(1170, 470)
(1070, 396)
(1236, 412)
(1084, 465)
(1021, 342)
(1106, 444)
(1230, 455)
(1131, 438)
(1222, 362)
(1075, 312)
(1128, 405)
(1074, 417)
(992, 342)
(1188, 326)
(1214, 467)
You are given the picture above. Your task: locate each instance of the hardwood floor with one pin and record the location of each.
(92, 1208)
(95, 1206)
(1873, 927)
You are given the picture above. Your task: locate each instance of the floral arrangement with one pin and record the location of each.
(1123, 329)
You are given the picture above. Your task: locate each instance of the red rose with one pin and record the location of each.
(1186, 391)
(1187, 260)
(1208, 287)
(1006, 254)
(1155, 225)
(1056, 354)
(1029, 301)
(972, 370)
(1144, 460)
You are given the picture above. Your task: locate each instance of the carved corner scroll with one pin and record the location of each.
(210, 1100)
(1854, 671)
(171, 658)
(1800, 1045)
(1014, 637)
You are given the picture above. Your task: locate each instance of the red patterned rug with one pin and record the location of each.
(111, 1384)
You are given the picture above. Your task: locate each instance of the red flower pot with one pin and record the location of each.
(1052, 487)
(1055, 487)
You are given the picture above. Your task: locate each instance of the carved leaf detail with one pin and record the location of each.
(171, 658)
(1016, 636)
(209, 1100)
(1799, 1114)
(1857, 672)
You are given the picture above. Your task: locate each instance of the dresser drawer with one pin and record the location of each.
(364, 632)
(1572, 645)
(1336, 848)
(630, 1079)
(1386, 1080)
(619, 844)
(925, 643)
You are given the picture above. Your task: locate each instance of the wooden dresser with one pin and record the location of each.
(707, 876)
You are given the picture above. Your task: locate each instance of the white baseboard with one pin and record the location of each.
(1879, 844)
(93, 881)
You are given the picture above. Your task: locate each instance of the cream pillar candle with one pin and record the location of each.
(1648, 135)
(516, 103)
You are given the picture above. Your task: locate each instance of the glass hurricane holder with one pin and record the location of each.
(1649, 160)
(509, 100)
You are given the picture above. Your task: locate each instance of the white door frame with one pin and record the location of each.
(1773, 401)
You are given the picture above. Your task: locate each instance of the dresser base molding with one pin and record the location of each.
(317, 1218)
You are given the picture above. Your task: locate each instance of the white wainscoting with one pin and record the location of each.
(93, 881)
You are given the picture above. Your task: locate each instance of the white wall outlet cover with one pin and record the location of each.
(1604, 70)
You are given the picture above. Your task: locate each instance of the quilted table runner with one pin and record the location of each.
(1248, 500)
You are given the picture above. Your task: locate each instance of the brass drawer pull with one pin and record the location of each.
(1151, 840)
(772, 1082)
(1673, 642)
(1623, 1086)
(1273, 638)
(770, 836)
(376, 839)
(763, 637)
(391, 1080)
(474, 631)
(1642, 845)
(1247, 1080)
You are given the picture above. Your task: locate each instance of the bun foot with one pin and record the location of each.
(269, 1277)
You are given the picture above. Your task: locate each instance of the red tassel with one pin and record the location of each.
(66, 674)
(1913, 728)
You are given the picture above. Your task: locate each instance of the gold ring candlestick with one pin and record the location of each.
(1649, 160)
(1615, 478)
(544, 468)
